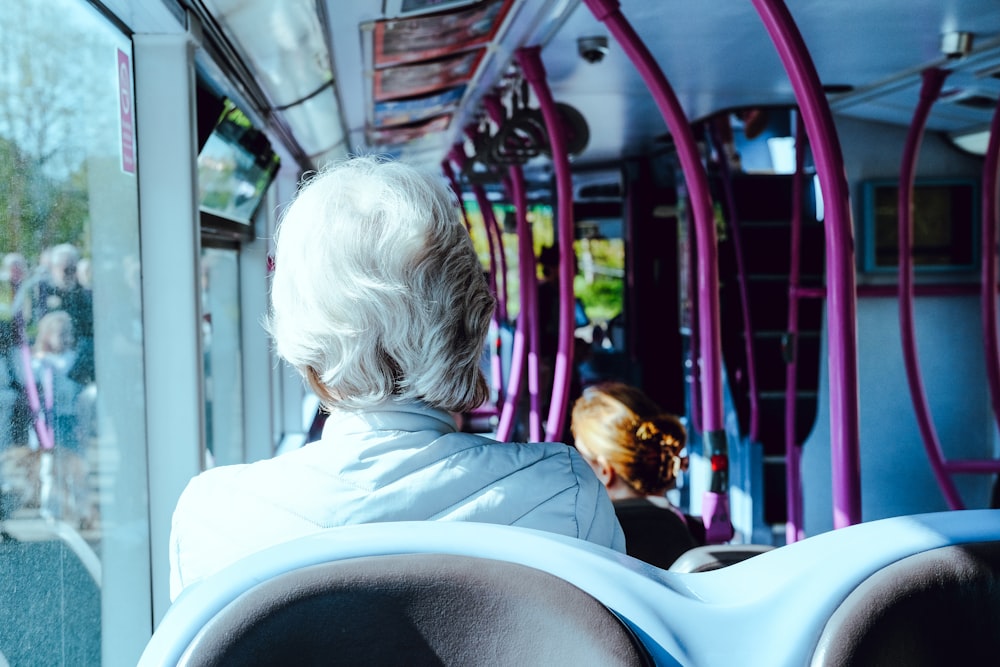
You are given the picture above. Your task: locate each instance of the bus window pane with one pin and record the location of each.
(223, 373)
(74, 553)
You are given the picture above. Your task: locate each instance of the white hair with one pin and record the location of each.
(377, 291)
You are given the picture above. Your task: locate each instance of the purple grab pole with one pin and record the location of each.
(734, 226)
(841, 295)
(453, 181)
(989, 261)
(494, 109)
(794, 530)
(933, 79)
(715, 504)
(497, 257)
(497, 267)
(529, 58)
(526, 334)
(458, 157)
(496, 368)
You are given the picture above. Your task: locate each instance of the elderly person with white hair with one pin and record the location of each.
(379, 301)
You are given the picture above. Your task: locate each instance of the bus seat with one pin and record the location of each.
(414, 609)
(939, 607)
(715, 556)
(771, 608)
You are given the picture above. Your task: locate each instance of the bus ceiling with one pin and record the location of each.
(411, 77)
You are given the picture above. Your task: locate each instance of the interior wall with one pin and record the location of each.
(896, 477)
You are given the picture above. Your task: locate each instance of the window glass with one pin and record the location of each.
(223, 373)
(74, 546)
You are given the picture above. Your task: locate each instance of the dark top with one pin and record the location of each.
(655, 534)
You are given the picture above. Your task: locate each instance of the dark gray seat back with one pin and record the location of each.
(939, 607)
(415, 609)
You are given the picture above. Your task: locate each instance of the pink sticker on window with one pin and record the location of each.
(125, 109)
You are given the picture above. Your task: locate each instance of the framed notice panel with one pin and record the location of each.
(425, 77)
(430, 36)
(403, 133)
(399, 112)
(945, 225)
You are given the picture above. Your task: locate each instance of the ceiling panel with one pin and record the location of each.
(716, 55)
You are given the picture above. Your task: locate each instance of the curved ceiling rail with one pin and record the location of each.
(529, 58)
(841, 295)
(933, 80)
(715, 504)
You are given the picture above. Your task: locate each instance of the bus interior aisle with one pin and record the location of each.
(776, 218)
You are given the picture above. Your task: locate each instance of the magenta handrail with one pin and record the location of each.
(694, 344)
(495, 240)
(741, 275)
(497, 267)
(453, 181)
(933, 80)
(493, 107)
(794, 523)
(841, 296)
(715, 503)
(528, 279)
(496, 367)
(989, 262)
(526, 335)
(609, 13)
(529, 58)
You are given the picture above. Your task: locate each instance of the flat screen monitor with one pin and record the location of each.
(235, 167)
(945, 225)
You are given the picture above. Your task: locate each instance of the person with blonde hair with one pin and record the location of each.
(636, 450)
(378, 299)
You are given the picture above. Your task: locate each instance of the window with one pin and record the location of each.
(74, 554)
(221, 338)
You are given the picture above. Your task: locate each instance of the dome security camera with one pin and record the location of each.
(592, 49)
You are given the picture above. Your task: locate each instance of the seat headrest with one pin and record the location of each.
(934, 608)
(415, 609)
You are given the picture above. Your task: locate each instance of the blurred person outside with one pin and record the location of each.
(15, 313)
(61, 290)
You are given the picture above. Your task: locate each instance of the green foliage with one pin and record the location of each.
(37, 211)
(602, 299)
(48, 125)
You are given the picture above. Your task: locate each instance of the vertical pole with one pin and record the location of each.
(530, 60)
(841, 294)
(793, 453)
(933, 79)
(715, 504)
